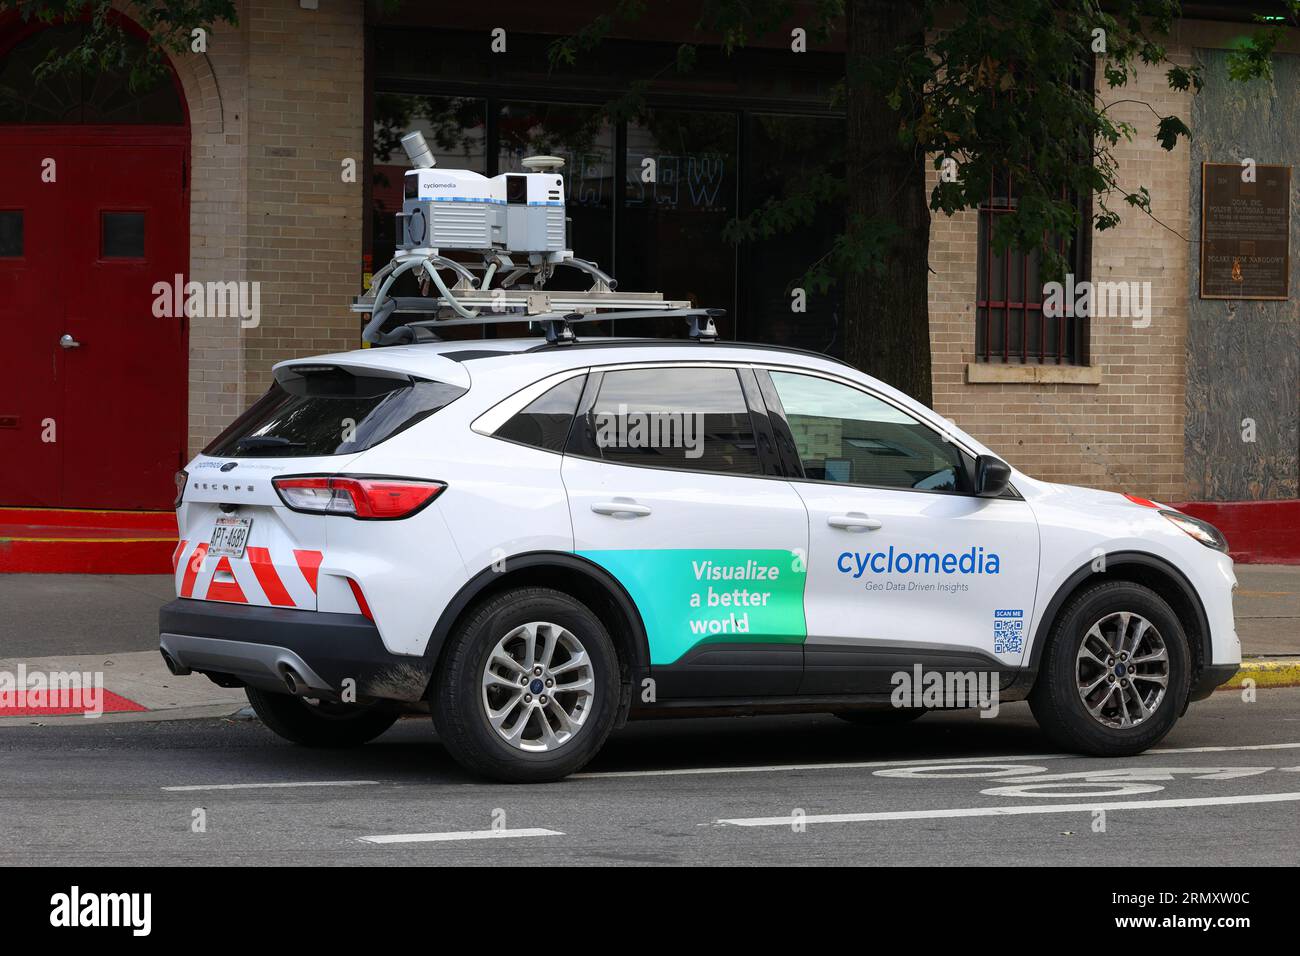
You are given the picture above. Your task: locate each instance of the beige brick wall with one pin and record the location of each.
(306, 100)
(276, 105)
(215, 91)
(1127, 431)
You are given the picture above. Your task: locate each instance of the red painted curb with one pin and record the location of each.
(112, 703)
(86, 541)
(1258, 532)
(89, 557)
(50, 518)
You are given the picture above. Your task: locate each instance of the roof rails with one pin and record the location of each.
(554, 312)
(508, 217)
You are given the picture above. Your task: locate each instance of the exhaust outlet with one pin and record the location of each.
(176, 669)
(293, 681)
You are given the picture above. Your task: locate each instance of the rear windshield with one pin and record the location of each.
(328, 410)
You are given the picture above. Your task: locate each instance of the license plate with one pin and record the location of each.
(229, 537)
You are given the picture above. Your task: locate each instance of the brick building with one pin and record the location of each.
(1197, 401)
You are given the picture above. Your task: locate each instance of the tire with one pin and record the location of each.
(881, 718)
(484, 657)
(1057, 700)
(320, 725)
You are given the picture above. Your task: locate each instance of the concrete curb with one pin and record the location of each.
(1267, 672)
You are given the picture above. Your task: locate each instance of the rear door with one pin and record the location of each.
(673, 489)
(906, 565)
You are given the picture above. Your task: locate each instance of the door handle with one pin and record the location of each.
(66, 341)
(620, 506)
(853, 521)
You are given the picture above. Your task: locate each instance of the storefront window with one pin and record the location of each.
(650, 198)
(679, 195)
(583, 138)
(782, 155)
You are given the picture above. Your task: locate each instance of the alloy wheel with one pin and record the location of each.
(538, 687)
(1122, 670)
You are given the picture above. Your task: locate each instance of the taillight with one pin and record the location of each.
(365, 498)
(181, 478)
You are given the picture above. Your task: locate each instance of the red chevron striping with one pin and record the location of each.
(264, 568)
(225, 590)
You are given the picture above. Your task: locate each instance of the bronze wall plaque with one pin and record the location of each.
(1245, 232)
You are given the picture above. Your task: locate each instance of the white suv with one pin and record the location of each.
(537, 542)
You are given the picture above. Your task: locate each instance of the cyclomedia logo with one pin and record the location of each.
(974, 561)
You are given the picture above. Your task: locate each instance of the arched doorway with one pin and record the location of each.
(94, 211)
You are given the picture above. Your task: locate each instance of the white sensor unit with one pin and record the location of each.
(458, 209)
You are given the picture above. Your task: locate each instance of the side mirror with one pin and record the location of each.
(992, 475)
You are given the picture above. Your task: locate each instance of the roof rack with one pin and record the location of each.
(508, 217)
(469, 303)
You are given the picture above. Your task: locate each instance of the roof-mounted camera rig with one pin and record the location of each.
(515, 224)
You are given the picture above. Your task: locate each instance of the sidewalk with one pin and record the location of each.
(109, 624)
(1267, 608)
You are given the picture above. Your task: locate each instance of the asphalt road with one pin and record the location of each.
(1224, 788)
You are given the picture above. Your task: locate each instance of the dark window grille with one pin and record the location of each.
(1010, 322)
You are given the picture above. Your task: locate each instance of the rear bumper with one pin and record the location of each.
(263, 646)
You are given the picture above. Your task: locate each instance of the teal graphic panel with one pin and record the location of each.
(696, 596)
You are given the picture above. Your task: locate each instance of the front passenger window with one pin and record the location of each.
(845, 435)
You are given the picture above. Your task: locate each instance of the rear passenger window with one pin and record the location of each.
(694, 419)
(544, 422)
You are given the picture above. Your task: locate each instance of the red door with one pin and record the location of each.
(93, 396)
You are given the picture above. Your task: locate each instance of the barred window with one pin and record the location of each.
(1010, 323)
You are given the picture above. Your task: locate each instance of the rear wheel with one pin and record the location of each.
(1114, 676)
(320, 723)
(529, 687)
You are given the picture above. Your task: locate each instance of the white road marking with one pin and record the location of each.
(886, 815)
(458, 835)
(1215, 750)
(269, 786)
(785, 768)
(961, 771)
(781, 768)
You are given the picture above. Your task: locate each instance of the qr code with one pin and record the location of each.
(1009, 631)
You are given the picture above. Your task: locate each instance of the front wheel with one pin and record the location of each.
(1115, 673)
(529, 687)
(320, 723)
